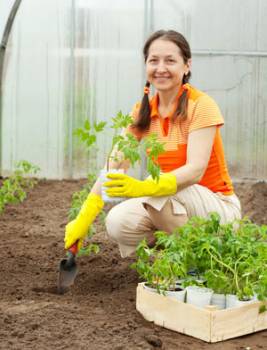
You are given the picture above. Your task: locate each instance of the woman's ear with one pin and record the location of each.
(188, 65)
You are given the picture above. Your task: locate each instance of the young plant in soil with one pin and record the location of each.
(159, 267)
(251, 261)
(235, 256)
(231, 258)
(13, 189)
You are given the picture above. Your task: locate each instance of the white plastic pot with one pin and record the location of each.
(153, 290)
(233, 301)
(177, 294)
(198, 296)
(103, 179)
(219, 300)
(179, 283)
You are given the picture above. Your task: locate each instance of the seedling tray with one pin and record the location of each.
(209, 324)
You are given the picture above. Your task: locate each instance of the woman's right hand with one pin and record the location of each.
(77, 229)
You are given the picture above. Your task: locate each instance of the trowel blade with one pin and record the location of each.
(67, 270)
(67, 273)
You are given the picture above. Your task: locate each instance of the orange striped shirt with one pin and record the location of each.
(202, 112)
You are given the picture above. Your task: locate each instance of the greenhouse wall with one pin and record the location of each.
(72, 60)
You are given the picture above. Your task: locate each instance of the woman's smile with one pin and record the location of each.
(161, 78)
(165, 66)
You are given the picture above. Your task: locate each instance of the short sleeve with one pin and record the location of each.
(206, 113)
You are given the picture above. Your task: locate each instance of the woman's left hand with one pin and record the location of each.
(122, 185)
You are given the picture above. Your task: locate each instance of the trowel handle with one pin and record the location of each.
(74, 249)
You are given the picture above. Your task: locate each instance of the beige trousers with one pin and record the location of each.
(133, 219)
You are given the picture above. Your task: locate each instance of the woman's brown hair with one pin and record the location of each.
(178, 39)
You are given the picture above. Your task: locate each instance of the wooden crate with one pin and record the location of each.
(209, 324)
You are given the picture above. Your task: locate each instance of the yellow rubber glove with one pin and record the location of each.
(125, 186)
(77, 229)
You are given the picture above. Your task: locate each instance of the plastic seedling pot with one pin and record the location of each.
(219, 300)
(178, 294)
(153, 290)
(198, 296)
(233, 301)
(103, 179)
(179, 283)
(245, 302)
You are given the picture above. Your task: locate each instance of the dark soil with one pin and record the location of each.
(99, 310)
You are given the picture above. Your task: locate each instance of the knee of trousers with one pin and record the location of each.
(168, 218)
(114, 224)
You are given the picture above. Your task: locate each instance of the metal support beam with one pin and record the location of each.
(71, 114)
(229, 53)
(148, 29)
(3, 45)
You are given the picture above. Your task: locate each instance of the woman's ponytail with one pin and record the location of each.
(143, 120)
(181, 110)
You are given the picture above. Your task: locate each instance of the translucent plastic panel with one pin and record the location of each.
(229, 51)
(108, 69)
(34, 88)
(241, 98)
(68, 61)
(71, 60)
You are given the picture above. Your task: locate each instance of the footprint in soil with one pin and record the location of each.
(51, 290)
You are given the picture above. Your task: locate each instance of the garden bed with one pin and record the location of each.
(99, 312)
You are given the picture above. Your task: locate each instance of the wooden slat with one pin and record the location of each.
(173, 314)
(208, 324)
(231, 323)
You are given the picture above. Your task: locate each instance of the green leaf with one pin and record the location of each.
(98, 127)
(13, 189)
(87, 125)
(87, 135)
(121, 121)
(91, 139)
(88, 250)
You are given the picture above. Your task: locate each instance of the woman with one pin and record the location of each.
(194, 179)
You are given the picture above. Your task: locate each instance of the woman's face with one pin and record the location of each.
(165, 65)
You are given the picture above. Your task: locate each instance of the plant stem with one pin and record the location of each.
(3, 45)
(236, 274)
(229, 268)
(221, 262)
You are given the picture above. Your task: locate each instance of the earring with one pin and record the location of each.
(146, 90)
